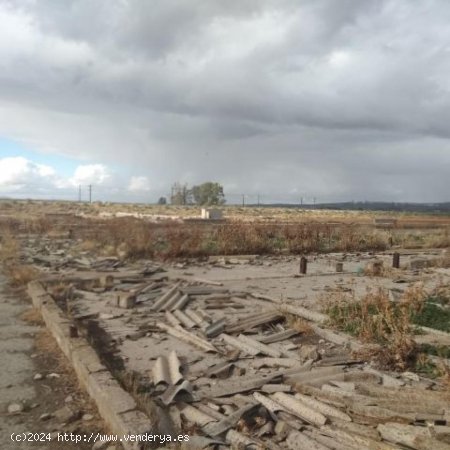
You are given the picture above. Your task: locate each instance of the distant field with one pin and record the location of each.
(163, 232)
(32, 208)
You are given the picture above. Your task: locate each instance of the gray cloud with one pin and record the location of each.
(337, 100)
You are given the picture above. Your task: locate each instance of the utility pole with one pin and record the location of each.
(90, 193)
(243, 199)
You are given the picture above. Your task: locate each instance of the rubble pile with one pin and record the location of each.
(235, 368)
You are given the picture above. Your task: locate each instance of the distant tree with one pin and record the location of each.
(162, 201)
(208, 194)
(181, 194)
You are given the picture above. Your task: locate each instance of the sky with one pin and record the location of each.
(285, 99)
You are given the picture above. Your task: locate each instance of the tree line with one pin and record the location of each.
(205, 194)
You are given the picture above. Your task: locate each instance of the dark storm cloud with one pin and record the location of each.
(338, 100)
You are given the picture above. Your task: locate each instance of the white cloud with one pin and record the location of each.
(22, 177)
(139, 183)
(97, 174)
(18, 172)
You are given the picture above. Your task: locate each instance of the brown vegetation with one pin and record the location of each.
(32, 316)
(19, 274)
(249, 230)
(138, 239)
(376, 319)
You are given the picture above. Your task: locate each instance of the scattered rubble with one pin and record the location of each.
(227, 361)
(15, 408)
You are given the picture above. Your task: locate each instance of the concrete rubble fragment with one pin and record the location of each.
(188, 337)
(182, 390)
(15, 408)
(167, 370)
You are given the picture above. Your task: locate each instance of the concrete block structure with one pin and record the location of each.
(211, 214)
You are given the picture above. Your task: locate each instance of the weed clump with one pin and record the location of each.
(376, 319)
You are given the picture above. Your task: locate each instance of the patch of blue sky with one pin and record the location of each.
(63, 165)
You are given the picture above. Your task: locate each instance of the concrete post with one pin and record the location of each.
(396, 260)
(303, 265)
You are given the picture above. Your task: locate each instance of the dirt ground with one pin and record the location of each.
(28, 352)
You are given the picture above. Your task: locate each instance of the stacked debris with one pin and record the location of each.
(232, 367)
(271, 386)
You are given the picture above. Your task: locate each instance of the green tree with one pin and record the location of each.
(162, 201)
(208, 193)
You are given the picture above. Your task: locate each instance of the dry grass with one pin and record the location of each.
(32, 316)
(443, 371)
(21, 275)
(423, 237)
(439, 369)
(9, 247)
(249, 230)
(134, 239)
(61, 292)
(301, 325)
(375, 319)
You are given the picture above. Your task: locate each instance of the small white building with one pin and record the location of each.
(211, 214)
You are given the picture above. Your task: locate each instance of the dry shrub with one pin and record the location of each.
(439, 239)
(26, 224)
(442, 290)
(128, 235)
(179, 241)
(375, 319)
(379, 269)
(240, 238)
(36, 225)
(423, 238)
(301, 325)
(21, 275)
(88, 245)
(32, 316)
(9, 247)
(434, 368)
(134, 238)
(62, 293)
(443, 370)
